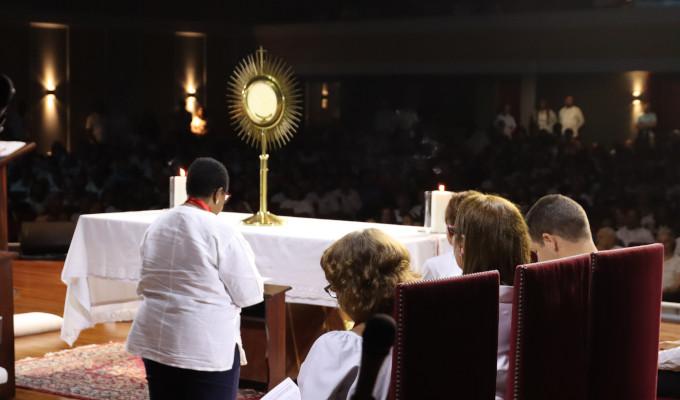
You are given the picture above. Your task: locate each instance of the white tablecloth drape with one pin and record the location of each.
(102, 266)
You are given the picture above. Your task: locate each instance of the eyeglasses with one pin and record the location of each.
(227, 195)
(451, 229)
(331, 293)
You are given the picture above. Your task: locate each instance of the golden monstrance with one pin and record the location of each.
(264, 104)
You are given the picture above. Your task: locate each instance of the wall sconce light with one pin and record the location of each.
(191, 95)
(51, 92)
(636, 93)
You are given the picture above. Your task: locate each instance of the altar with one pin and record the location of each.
(103, 264)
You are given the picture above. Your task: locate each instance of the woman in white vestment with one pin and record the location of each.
(445, 265)
(197, 272)
(490, 234)
(363, 269)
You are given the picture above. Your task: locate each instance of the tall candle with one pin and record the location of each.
(178, 189)
(440, 199)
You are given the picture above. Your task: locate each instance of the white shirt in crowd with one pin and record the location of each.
(441, 266)
(637, 235)
(545, 120)
(671, 272)
(571, 118)
(350, 201)
(197, 272)
(331, 369)
(97, 123)
(509, 124)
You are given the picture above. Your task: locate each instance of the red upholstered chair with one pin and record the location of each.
(447, 338)
(587, 327)
(548, 352)
(624, 329)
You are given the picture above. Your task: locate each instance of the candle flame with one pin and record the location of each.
(441, 187)
(182, 172)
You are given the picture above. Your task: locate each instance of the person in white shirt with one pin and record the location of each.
(632, 232)
(197, 273)
(571, 117)
(509, 124)
(363, 269)
(671, 265)
(490, 234)
(559, 228)
(445, 265)
(544, 118)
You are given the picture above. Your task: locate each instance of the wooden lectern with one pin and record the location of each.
(3, 190)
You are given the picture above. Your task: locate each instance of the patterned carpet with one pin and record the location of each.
(95, 372)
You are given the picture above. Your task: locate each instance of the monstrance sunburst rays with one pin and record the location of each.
(265, 109)
(279, 129)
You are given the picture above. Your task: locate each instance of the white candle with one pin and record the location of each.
(440, 199)
(178, 189)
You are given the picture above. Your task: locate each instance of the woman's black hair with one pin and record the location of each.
(205, 176)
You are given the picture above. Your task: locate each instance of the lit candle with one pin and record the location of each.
(178, 189)
(440, 199)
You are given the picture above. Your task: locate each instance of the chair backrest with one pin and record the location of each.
(447, 338)
(548, 344)
(624, 327)
(587, 327)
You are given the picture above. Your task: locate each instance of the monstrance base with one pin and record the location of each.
(264, 219)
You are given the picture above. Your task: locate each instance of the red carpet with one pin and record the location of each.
(96, 372)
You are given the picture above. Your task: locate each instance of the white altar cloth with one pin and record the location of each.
(102, 267)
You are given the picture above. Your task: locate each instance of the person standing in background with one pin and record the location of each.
(571, 117)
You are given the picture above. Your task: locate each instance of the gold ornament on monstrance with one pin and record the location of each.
(264, 104)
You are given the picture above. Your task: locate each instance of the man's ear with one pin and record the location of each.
(462, 245)
(551, 241)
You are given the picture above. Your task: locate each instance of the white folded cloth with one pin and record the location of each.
(3, 375)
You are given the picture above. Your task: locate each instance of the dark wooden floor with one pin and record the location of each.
(39, 288)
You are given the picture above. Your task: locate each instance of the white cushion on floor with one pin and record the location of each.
(36, 322)
(3, 375)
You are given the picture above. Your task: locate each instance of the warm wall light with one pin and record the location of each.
(636, 102)
(50, 91)
(324, 89)
(636, 93)
(324, 103)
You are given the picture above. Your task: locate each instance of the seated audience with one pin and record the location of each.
(445, 265)
(671, 266)
(490, 234)
(559, 228)
(363, 269)
(632, 232)
(606, 239)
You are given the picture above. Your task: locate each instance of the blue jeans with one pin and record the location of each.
(172, 383)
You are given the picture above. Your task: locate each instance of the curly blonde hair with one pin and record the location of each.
(364, 268)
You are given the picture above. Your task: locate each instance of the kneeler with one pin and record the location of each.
(447, 338)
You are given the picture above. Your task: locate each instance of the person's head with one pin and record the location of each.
(666, 237)
(208, 180)
(646, 107)
(632, 218)
(452, 209)
(490, 234)
(363, 268)
(569, 101)
(543, 104)
(506, 109)
(559, 228)
(606, 238)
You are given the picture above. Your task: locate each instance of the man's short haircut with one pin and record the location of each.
(205, 176)
(558, 215)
